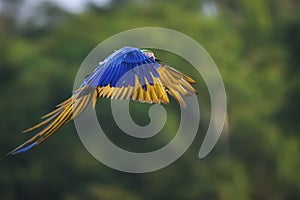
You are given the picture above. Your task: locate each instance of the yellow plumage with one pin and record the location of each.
(170, 82)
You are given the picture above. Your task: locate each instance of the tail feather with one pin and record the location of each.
(65, 112)
(53, 112)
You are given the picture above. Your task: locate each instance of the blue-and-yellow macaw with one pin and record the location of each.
(128, 73)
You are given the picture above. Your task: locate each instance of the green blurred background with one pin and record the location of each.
(254, 43)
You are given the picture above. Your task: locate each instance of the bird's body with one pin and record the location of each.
(128, 73)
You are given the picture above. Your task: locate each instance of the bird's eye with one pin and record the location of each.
(149, 54)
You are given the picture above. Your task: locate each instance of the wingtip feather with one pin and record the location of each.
(21, 149)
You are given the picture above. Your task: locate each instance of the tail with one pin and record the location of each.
(65, 112)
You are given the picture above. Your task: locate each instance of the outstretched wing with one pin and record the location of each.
(126, 74)
(65, 112)
(129, 74)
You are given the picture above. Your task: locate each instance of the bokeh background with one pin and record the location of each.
(256, 46)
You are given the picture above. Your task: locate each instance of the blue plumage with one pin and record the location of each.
(121, 68)
(128, 73)
(26, 148)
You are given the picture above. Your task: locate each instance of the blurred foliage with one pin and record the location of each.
(256, 46)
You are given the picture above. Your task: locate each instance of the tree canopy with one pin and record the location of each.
(255, 45)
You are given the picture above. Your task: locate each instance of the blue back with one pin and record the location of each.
(121, 68)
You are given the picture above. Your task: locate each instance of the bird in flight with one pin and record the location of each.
(128, 73)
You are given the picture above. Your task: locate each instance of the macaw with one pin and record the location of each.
(128, 73)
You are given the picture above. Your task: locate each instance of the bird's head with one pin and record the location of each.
(148, 53)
